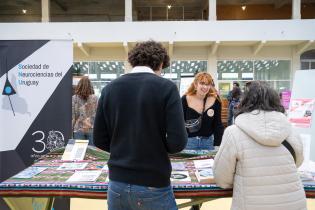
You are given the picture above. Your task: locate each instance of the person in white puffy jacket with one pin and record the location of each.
(252, 159)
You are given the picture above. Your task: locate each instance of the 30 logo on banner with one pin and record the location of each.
(55, 140)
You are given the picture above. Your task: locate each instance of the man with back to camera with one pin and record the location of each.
(139, 120)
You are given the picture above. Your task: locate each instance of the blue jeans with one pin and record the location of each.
(230, 115)
(82, 135)
(200, 143)
(123, 196)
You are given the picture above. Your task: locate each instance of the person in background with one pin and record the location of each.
(202, 113)
(235, 84)
(229, 98)
(259, 155)
(235, 100)
(84, 104)
(139, 120)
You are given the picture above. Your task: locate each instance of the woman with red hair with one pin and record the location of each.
(202, 113)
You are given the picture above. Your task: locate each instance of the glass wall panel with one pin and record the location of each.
(308, 9)
(87, 11)
(272, 70)
(159, 13)
(305, 65)
(235, 70)
(100, 73)
(253, 10)
(182, 72)
(170, 10)
(276, 72)
(20, 11)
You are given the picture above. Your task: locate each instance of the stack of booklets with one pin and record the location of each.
(203, 172)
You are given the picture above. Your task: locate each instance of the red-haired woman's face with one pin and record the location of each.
(202, 88)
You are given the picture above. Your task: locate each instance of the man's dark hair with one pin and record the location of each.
(236, 83)
(236, 93)
(259, 95)
(150, 54)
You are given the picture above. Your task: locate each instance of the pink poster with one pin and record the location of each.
(300, 113)
(285, 98)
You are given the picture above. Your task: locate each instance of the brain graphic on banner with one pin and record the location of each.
(35, 101)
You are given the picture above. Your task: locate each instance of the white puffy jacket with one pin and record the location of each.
(262, 172)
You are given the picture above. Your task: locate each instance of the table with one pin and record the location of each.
(39, 191)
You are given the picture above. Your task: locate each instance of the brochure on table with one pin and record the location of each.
(75, 149)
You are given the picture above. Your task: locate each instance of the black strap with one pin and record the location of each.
(186, 106)
(289, 147)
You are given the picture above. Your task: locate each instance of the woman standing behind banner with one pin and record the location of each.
(202, 113)
(84, 104)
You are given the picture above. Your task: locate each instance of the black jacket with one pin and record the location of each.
(139, 120)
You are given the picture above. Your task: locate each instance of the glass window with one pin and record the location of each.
(280, 85)
(276, 72)
(312, 65)
(272, 70)
(255, 10)
(305, 65)
(20, 11)
(100, 72)
(182, 72)
(235, 70)
(307, 9)
(87, 11)
(171, 10)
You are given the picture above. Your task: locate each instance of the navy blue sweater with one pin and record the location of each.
(139, 120)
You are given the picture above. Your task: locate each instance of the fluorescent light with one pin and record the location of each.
(243, 8)
(24, 11)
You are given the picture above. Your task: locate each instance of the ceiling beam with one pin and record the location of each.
(257, 47)
(170, 48)
(85, 49)
(303, 46)
(214, 47)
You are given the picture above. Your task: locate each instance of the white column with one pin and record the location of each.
(212, 67)
(212, 10)
(295, 65)
(296, 9)
(45, 10)
(128, 10)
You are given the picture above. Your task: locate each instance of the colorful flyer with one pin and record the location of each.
(300, 112)
(285, 98)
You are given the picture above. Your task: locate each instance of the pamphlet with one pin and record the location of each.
(75, 149)
(72, 166)
(178, 166)
(180, 176)
(300, 112)
(205, 175)
(29, 172)
(205, 163)
(85, 176)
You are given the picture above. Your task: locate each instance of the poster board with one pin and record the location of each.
(303, 89)
(35, 100)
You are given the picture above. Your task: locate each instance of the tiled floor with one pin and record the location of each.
(221, 204)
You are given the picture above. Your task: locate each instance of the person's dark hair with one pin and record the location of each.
(236, 92)
(150, 54)
(84, 88)
(237, 84)
(259, 95)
